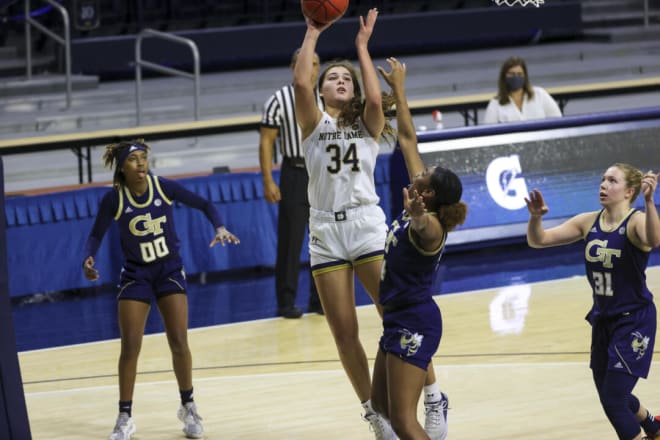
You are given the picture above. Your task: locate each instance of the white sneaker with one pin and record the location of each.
(192, 421)
(435, 421)
(380, 426)
(124, 428)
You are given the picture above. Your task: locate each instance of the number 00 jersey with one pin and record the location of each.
(340, 163)
(146, 223)
(616, 269)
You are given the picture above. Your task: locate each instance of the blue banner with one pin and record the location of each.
(564, 163)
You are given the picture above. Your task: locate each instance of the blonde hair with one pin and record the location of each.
(633, 178)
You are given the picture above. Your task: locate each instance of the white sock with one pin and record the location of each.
(432, 393)
(368, 409)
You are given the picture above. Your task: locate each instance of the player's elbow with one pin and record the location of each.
(535, 243)
(407, 140)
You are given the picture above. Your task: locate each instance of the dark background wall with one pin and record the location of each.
(262, 45)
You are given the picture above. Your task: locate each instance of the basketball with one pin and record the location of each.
(324, 11)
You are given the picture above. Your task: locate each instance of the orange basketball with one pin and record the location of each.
(324, 11)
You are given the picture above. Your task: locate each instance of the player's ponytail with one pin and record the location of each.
(452, 215)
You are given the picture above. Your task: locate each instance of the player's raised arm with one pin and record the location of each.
(307, 111)
(373, 116)
(406, 134)
(570, 231)
(649, 234)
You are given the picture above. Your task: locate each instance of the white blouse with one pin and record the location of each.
(540, 106)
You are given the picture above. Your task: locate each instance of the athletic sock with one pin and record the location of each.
(126, 406)
(432, 393)
(186, 396)
(650, 424)
(368, 409)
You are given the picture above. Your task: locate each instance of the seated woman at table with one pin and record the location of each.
(517, 99)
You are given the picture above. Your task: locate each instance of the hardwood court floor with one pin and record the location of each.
(513, 360)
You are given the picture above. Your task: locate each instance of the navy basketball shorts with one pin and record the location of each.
(625, 343)
(144, 282)
(413, 333)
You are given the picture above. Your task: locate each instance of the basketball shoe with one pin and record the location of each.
(192, 421)
(380, 426)
(124, 428)
(435, 420)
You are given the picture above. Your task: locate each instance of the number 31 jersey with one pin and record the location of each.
(616, 268)
(340, 163)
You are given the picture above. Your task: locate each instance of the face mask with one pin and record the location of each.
(514, 82)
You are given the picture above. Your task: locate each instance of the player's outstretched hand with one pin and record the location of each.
(535, 204)
(649, 184)
(413, 203)
(222, 236)
(90, 273)
(366, 27)
(397, 74)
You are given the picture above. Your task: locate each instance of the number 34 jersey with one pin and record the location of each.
(340, 162)
(615, 268)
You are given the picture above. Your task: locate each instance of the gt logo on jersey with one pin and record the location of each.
(596, 250)
(391, 238)
(142, 225)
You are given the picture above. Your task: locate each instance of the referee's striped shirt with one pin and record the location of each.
(279, 112)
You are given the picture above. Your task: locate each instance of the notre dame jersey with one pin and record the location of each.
(340, 163)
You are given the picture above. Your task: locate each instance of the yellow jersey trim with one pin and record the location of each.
(150, 190)
(411, 237)
(120, 206)
(160, 191)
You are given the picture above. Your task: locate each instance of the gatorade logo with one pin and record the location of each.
(505, 183)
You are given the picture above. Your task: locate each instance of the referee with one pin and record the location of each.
(278, 122)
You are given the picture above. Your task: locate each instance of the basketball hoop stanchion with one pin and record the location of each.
(536, 3)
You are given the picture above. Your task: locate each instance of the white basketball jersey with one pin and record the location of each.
(340, 163)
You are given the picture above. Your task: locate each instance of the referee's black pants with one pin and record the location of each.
(292, 222)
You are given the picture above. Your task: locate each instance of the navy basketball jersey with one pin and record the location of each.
(409, 271)
(616, 268)
(145, 224)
